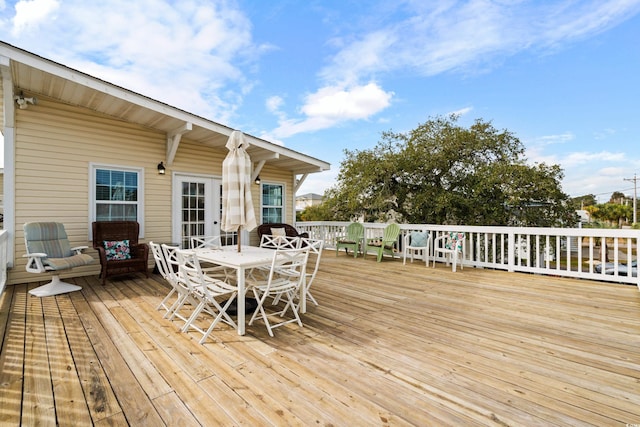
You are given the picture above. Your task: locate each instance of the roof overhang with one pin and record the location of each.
(37, 76)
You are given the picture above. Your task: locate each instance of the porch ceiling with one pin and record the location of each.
(40, 77)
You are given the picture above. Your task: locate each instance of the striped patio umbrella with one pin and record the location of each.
(237, 206)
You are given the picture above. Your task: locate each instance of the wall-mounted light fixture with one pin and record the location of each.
(161, 168)
(257, 181)
(23, 102)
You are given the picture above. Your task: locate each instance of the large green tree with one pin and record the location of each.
(443, 173)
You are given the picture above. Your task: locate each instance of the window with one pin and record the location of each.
(117, 194)
(272, 203)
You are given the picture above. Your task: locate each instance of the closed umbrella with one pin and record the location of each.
(237, 206)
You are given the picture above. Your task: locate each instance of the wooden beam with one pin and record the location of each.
(299, 182)
(173, 140)
(257, 169)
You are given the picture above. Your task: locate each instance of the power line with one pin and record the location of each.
(635, 196)
(611, 192)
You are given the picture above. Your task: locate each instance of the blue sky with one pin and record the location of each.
(323, 76)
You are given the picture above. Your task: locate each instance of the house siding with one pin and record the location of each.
(55, 145)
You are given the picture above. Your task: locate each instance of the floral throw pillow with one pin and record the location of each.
(117, 249)
(455, 241)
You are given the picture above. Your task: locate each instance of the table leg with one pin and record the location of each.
(303, 295)
(240, 302)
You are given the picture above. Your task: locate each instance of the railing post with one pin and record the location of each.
(511, 251)
(4, 262)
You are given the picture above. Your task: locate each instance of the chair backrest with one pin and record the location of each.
(279, 242)
(47, 237)
(170, 254)
(115, 230)
(391, 233)
(161, 262)
(355, 232)
(198, 242)
(196, 280)
(288, 267)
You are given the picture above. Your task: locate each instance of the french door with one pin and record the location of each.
(197, 207)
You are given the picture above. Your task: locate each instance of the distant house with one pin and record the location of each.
(79, 149)
(584, 216)
(306, 200)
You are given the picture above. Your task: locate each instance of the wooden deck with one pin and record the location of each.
(388, 345)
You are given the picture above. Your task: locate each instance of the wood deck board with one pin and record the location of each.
(96, 319)
(70, 404)
(12, 356)
(38, 405)
(98, 394)
(389, 345)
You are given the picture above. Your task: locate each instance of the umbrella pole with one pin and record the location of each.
(239, 234)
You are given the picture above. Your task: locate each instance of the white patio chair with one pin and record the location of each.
(212, 243)
(205, 289)
(163, 269)
(315, 249)
(286, 275)
(185, 299)
(416, 242)
(270, 241)
(452, 246)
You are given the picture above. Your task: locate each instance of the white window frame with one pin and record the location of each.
(93, 167)
(284, 201)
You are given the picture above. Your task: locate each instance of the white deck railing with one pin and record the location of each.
(570, 252)
(4, 241)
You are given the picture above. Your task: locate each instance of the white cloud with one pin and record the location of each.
(199, 55)
(461, 112)
(435, 37)
(358, 102)
(359, 58)
(193, 54)
(599, 180)
(430, 38)
(274, 103)
(600, 173)
(31, 13)
(555, 139)
(332, 105)
(580, 158)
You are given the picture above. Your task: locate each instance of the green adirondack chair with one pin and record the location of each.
(353, 239)
(386, 244)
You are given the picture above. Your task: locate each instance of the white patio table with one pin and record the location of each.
(249, 257)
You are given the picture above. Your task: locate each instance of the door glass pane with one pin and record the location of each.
(193, 211)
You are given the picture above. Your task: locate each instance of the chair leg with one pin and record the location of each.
(222, 315)
(165, 300)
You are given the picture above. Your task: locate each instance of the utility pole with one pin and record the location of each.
(635, 196)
